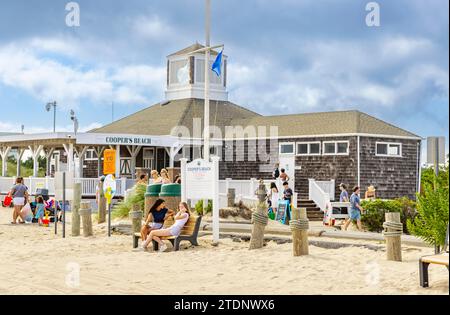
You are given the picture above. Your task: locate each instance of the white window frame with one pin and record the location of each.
(335, 147)
(151, 159)
(309, 148)
(93, 158)
(389, 144)
(286, 143)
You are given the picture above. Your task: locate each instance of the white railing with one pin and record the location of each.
(320, 198)
(88, 185)
(328, 187)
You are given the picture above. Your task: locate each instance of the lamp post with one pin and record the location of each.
(48, 107)
(74, 119)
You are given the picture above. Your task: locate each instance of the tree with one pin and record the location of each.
(431, 221)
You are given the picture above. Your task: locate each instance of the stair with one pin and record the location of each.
(313, 212)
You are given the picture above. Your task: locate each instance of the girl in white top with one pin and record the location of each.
(181, 218)
(274, 196)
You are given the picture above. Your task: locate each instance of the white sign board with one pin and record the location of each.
(200, 180)
(200, 176)
(68, 185)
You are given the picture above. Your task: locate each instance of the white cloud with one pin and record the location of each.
(391, 72)
(47, 79)
(151, 28)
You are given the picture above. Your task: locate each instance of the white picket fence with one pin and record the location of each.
(319, 196)
(88, 185)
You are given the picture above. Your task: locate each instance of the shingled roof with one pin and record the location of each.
(165, 119)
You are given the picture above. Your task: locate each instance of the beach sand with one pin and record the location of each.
(35, 261)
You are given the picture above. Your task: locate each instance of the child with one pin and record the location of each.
(40, 209)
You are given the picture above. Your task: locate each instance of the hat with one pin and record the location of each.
(371, 188)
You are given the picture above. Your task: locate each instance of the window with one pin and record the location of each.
(286, 148)
(179, 72)
(90, 155)
(388, 149)
(148, 157)
(200, 72)
(335, 148)
(308, 148)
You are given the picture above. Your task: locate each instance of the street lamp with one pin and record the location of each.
(48, 107)
(75, 121)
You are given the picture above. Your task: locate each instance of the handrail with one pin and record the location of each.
(320, 198)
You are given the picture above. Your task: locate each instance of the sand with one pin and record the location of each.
(35, 261)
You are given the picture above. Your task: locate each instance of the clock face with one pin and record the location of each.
(183, 74)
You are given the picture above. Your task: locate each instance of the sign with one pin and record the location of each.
(125, 139)
(436, 149)
(59, 185)
(109, 162)
(282, 211)
(200, 179)
(109, 188)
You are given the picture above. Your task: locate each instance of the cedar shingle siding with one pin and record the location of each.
(392, 176)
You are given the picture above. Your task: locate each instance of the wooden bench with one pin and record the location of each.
(425, 261)
(188, 233)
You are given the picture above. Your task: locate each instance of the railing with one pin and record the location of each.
(88, 185)
(320, 198)
(328, 187)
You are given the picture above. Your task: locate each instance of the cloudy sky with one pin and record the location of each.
(286, 56)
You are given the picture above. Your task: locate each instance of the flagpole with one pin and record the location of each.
(207, 54)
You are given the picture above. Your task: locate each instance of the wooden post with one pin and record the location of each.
(393, 236)
(101, 205)
(231, 196)
(259, 219)
(85, 213)
(136, 218)
(76, 209)
(299, 232)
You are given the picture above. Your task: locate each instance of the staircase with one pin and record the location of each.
(313, 212)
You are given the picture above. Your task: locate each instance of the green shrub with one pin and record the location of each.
(431, 222)
(199, 207)
(374, 214)
(123, 208)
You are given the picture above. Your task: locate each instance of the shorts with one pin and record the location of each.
(355, 215)
(155, 225)
(19, 201)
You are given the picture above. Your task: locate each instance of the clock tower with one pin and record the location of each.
(186, 75)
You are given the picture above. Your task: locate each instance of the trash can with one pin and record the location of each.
(151, 195)
(171, 193)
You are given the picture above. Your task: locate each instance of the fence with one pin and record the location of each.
(88, 185)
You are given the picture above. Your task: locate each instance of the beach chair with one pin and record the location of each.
(188, 233)
(439, 259)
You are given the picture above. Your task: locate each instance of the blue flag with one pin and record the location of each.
(217, 65)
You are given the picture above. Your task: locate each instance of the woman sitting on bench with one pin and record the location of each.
(155, 219)
(181, 218)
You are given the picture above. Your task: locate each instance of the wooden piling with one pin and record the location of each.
(299, 232)
(101, 205)
(393, 230)
(86, 218)
(76, 209)
(259, 219)
(136, 218)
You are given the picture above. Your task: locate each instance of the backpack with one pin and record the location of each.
(276, 173)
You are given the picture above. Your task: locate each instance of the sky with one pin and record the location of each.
(285, 56)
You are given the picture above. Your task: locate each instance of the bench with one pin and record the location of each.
(188, 233)
(439, 259)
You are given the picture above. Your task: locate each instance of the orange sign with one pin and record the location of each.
(109, 162)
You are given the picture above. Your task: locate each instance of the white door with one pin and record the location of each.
(288, 163)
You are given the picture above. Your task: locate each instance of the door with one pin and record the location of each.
(288, 163)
